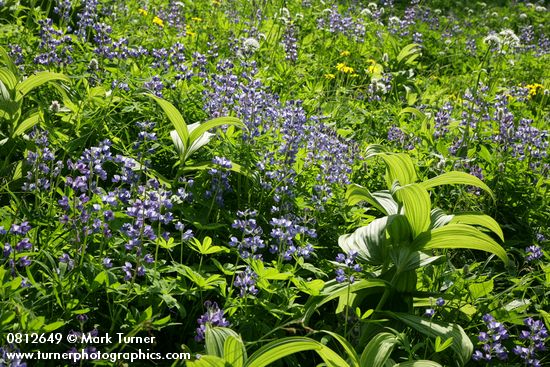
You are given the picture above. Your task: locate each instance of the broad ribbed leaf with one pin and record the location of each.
(381, 200)
(36, 80)
(6, 60)
(215, 338)
(205, 126)
(9, 80)
(399, 230)
(462, 346)
(196, 141)
(369, 241)
(399, 168)
(281, 348)
(353, 357)
(208, 361)
(333, 290)
(479, 219)
(27, 123)
(456, 178)
(439, 218)
(379, 349)
(234, 351)
(417, 206)
(419, 363)
(175, 118)
(456, 236)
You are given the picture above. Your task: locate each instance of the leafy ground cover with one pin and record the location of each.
(293, 183)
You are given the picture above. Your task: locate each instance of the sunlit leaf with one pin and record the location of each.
(462, 345)
(456, 236)
(378, 350)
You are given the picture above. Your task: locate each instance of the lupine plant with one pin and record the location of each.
(307, 182)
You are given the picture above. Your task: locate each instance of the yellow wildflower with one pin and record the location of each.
(143, 12)
(371, 68)
(345, 53)
(216, 2)
(158, 21)
(534, 89)
(196, 19)
(330, 76)
(344, 68)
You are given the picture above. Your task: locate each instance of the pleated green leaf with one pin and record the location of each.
(334, 290)
(381, 200)
(462, 345)
(369, 241)
(417, 207)
(455, 236)
(234, 351)
(419, 363)
(284, 347)
(208, 361)
(220, 121)
(456, 178)
(400, 168)
(378, 350)
(176, 119)
(215, 338)
(27, 123)
(479, 219)
(36, 80)
(351, 354)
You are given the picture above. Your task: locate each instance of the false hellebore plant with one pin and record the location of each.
(394, 246)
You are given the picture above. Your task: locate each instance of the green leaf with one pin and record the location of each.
(479, 219)
(52, 326)
(378, 350)
(175, 118)
(478, 290)
(351, 354)
(281, 348)
(439, 346)
(456, 178)
(335, 290)
(369, 241)
(27, 123)
(381, 200)
(36, 80)
(455, 236)
(220, 121)
(208, 361)
(461, 345)
(215, 339)
(400, 168)
(419, 363)
(9, 80)
(234, 351)
(417, 206)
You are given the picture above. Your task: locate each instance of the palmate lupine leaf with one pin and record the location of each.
(456, 236)
(284, 347)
